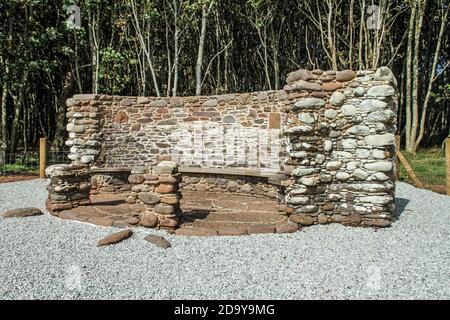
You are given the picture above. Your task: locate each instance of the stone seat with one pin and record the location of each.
(274, 177)
(63, 169)
(112, 170)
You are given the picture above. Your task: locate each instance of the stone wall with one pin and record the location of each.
(342, 148)
(143, 130)
(69, 187)
(158, 191)
(155, 192)
(223, 183)
(111, 180)
(337, 139)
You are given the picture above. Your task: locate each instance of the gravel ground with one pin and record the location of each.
(48, 258)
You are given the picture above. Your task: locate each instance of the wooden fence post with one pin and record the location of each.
(42, 157)
(447, 162)
(2, 156)
(397, 162)
(410, 171)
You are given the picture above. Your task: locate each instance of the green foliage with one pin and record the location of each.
(41, 53)
(18, 168)
(257, 4)
(442, 94)
(113, 73)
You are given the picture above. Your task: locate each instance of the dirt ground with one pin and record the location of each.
(442, 189)
(14, 178)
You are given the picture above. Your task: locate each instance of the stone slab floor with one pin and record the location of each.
(211, 213)
(204, 214)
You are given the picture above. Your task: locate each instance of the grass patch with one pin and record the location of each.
(17, 168)
(429, 166)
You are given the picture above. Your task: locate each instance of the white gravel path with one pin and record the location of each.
(48, 258)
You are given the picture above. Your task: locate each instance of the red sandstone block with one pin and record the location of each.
(115, 238)
(231, 231)
(263, 228)
(168, 223)
(287, 228)
(165, 188)
(86, 96)
(59, 206)
(195, 232)
(274, 120)
(100, 221)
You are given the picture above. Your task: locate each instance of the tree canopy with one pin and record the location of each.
(187, 47)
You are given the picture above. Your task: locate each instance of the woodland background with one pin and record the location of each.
(187, 47)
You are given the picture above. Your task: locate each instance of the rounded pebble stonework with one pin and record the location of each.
(338, 150)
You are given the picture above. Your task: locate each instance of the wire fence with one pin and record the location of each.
(27, 163)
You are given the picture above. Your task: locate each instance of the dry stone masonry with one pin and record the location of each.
(158, 191)
(69, 187)
(141, 130)
(332, 133)
(341, 147)
(110, 180)
(233, 183)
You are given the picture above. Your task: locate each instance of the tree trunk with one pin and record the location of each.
(137, 26)
(93, 44)
(77, 69)
(218, 64)
(176, 49)
(409, 78)
(415, 90)
(4, 112)
(67, 90)
(168, 53)
(15, 125)
(275, 52)
(350, 28)
(266, 58)
(201, 45)
(401, 105)
(431, 80)
(361, 29)
(4, 119)
(331, 42)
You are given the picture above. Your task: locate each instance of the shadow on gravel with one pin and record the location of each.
(192, 215)
(400, 205)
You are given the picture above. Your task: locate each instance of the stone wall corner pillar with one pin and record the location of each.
(341, 145)
(158, 191)
(83, 126)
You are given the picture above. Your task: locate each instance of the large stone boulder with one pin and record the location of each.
(22, 213)
(158, 241)
(115, 238)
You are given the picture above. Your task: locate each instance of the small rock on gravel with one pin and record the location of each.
(115, 238)
(158, 241)
(22, 213)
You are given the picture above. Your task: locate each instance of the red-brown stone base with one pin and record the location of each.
(204, 214)
(211, 213)
(106, 210)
